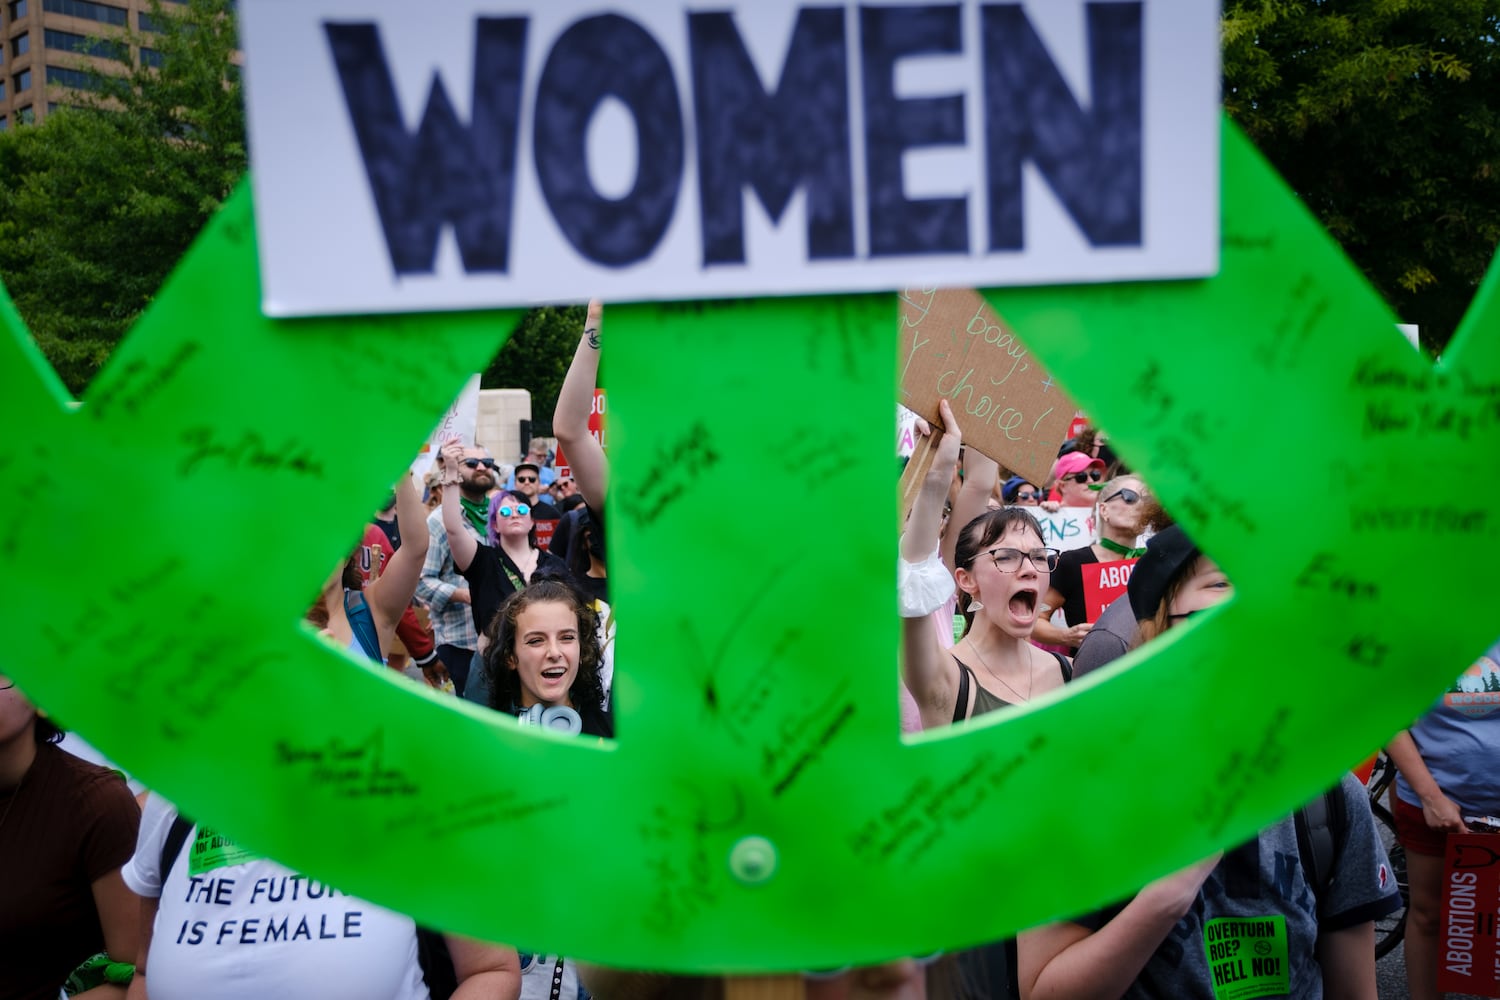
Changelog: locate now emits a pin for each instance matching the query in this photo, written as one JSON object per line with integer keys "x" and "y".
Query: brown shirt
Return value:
{"x": 68, "y": 823}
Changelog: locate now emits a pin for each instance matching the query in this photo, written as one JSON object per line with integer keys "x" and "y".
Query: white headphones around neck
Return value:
{"x": 558, "y": 717}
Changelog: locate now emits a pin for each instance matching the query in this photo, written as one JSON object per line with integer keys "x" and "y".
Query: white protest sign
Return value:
{"x": 1065, "y": 528}
{"x": 906, "y": 432}
{"x": 469, "y": 154}
{"x": 459, "y": 421}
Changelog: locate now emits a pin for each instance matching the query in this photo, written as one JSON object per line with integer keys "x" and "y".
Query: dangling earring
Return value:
{"x": 976, "y": 605}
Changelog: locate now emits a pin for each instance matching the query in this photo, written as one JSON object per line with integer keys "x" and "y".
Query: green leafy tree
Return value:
{"x": 98, "y": 203}
{"x": 1381, "y": 114}
{"x": 536, "y": 358}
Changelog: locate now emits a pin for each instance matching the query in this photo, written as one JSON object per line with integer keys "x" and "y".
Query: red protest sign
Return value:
{"x": 1102, "y": 583}
{"x": 1468, "y": 948}
{"x": 596, "y": 418}
{"x": 544, "y": 529}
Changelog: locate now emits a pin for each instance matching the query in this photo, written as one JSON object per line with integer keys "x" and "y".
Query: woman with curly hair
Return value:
{"x": 544, "y": 652}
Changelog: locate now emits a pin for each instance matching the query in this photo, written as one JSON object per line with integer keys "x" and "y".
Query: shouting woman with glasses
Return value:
{"x": 1002, "y": 569}
{"x": 507, "y": 559}
{"x": 1120, "y": 515}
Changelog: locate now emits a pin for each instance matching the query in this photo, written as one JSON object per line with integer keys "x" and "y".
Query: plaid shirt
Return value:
{"x": 452, "y": 621}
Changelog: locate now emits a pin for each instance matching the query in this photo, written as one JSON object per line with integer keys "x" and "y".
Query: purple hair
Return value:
{"x": 491, "y": 535}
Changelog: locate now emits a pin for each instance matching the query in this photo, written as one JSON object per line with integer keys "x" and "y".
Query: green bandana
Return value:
{"x": 1123, "y": 550}
{"x": 477, "y": 513}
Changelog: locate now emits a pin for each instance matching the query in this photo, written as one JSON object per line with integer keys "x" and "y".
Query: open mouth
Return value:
{"x": 555, "y": 673}
{"x": 1023, "y": 603}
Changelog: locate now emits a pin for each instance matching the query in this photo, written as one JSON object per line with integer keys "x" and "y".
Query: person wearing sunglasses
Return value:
{"x": 442, "y": 588}
{"x": 1156, "y": 944}
{"x": 1119, "y": 517}
{"x": 528, "y": 482}
{"x": 503, "y": 562}
{"x": 1077, "y": 478}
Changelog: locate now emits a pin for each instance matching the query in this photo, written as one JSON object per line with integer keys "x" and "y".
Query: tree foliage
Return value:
{"x": 1378, "y": 112}
{"x": 98, "y": 203}
{"x": 536, "y": 358}
{"x": 1381, "y": 115}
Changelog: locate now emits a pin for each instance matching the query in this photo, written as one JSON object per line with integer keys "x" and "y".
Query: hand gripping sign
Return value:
{"x": 759, "y": 810}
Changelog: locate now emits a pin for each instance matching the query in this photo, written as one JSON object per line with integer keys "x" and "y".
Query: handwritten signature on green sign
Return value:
{"x": 759, "y": 810}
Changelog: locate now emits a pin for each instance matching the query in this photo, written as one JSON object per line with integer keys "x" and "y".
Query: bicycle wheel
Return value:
{"x": 1390, "y": 929}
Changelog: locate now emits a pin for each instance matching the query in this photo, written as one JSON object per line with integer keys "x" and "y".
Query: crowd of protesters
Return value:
{"x": 459, "y": 589}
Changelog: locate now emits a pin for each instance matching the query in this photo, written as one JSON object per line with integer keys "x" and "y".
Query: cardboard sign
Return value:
{"x": 1102, "y": 583}
{"x": 1468, "y": 944}
{"x": 459, "y": 155}
{"x": 954, "y": 346}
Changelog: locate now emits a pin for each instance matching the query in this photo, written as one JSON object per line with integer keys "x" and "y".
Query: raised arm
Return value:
{"x": 575, "y": 401}
{"x": 390, "y": 593}
{"x": 460, "y": 542}
{"x": 981, "y": 477}
{"x": 930, "y": 673}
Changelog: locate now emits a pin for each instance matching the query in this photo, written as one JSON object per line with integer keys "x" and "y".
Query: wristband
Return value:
{"x": 922, "y": 588}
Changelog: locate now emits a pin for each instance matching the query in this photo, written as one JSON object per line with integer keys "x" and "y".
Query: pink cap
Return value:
{"x": 1074, "y": 461}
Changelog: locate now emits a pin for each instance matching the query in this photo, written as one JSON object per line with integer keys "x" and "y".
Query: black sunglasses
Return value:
{"x": 1083, "y": 477}
{"x": 474, "y": 463}
{"x": 1128, "y": 495}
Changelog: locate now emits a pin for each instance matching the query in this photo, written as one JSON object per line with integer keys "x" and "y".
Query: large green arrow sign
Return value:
{"x": 759, "y": 810}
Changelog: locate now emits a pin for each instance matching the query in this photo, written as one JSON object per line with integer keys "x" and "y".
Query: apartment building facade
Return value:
{"x": 48, "y": 46}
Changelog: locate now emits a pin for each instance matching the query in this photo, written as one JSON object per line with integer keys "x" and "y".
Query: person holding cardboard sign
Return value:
{"x": 1002, "y": 570}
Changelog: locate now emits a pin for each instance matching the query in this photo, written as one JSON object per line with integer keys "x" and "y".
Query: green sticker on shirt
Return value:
{"x": 212, "y": 850}
{"x": 1247, "y": 957}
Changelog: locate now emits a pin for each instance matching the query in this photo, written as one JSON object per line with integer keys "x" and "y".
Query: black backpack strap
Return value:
{"x": 1322, "y": 826}
{"x": 1066, "y": 666}
{"x": 172, "y": 846}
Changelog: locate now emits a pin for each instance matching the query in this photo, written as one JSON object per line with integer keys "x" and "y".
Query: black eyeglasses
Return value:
{"x": 1092, "y": 475}
{"x": 1185, "y": 614}
{"x": 1009, "y": 560}
{"x": 474, "y": 463}
{"x": 1128, "y": 495}
{"x": 1023, "y": 496}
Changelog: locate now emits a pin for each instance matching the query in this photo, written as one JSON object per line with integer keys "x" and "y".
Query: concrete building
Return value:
{"x": 49, "y": 44}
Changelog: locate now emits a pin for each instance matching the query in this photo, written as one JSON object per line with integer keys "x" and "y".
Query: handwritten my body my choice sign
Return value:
{"x": 416, "y": 157}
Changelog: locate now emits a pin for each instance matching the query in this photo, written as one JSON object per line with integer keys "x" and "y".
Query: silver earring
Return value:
{"x": 976, "y": 605}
